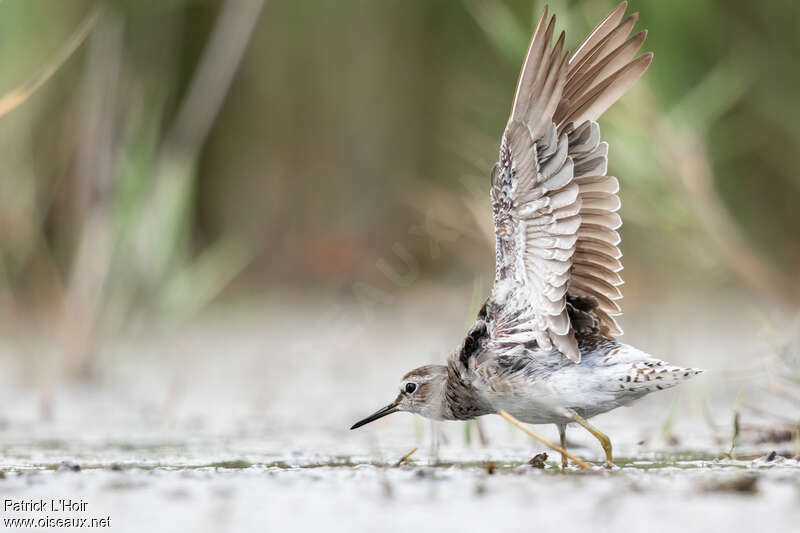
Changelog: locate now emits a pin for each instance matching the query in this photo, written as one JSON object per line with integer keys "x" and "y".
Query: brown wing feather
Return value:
{"x": 535, "y": 206}
{"x": 599, "y": 32}
{"x": 554, "y": 207}
{"x": 601, "y": 71}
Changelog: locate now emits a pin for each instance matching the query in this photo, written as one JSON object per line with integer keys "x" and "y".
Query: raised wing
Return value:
{"x": 554, "y": 208}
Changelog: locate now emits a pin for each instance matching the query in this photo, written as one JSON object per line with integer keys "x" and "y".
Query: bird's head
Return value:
{"x": 421, "y": 392}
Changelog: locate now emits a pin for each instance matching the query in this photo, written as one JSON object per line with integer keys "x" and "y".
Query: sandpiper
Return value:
{"x": 543, "y": 347}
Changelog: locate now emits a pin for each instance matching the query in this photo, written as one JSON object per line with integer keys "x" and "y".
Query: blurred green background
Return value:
{"x": 163, "y": 157}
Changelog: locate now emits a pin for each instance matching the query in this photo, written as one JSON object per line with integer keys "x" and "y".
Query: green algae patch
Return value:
{"x": 236, "y": 464}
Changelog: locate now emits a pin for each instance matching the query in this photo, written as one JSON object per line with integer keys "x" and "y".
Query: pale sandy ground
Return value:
{"x": 223, "y": 425}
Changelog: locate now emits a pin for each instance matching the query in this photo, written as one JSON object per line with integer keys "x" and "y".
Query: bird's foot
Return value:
{"x": 602, "y": 437}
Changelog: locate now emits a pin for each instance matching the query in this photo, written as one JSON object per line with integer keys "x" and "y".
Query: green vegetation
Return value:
{"x": 136, "y": 186}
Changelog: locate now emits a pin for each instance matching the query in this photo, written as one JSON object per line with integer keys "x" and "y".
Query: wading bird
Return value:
{"x": 543, "y": 347}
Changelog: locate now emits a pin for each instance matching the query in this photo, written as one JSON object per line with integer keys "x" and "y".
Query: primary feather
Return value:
{"x": 554, "y": 208}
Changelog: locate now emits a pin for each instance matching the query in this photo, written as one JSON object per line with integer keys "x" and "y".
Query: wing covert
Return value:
{"x": 553, "y": 206}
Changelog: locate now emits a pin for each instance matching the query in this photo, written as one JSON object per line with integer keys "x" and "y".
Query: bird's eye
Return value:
{"x": 411, "y": 387}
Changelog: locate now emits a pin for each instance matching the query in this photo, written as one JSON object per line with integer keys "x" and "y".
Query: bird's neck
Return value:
{"x": 460, "y": 399}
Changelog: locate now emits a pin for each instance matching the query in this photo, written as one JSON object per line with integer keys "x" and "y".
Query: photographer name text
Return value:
{"x": 37, "y": 506}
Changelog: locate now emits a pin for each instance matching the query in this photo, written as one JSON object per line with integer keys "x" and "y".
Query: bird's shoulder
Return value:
{"x": 479, "y": 355}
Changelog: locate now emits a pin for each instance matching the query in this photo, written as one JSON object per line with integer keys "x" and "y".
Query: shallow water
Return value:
{"x": 241, "y": 424}
{"x": 212, "y": 484}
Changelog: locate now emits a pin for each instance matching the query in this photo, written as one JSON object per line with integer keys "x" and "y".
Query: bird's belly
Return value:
{"x": 544, "y": 405}
{"x": 531, "y": 412}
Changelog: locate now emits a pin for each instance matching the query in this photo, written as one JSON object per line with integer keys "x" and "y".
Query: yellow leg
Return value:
{"x": 562, "y": 433}
{"x": 544, "y": 441}
{"x": 599, "y": 435}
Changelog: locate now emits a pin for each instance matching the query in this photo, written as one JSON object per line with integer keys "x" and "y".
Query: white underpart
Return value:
{"x": 599, "y": 384}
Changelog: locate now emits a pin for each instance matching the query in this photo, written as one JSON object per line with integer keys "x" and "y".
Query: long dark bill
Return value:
{"x": 389, "y": 409}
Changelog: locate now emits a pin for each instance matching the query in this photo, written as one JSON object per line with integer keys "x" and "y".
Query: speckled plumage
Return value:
{"x": 542, "y": 349}
{"x": 542, "y": 386}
